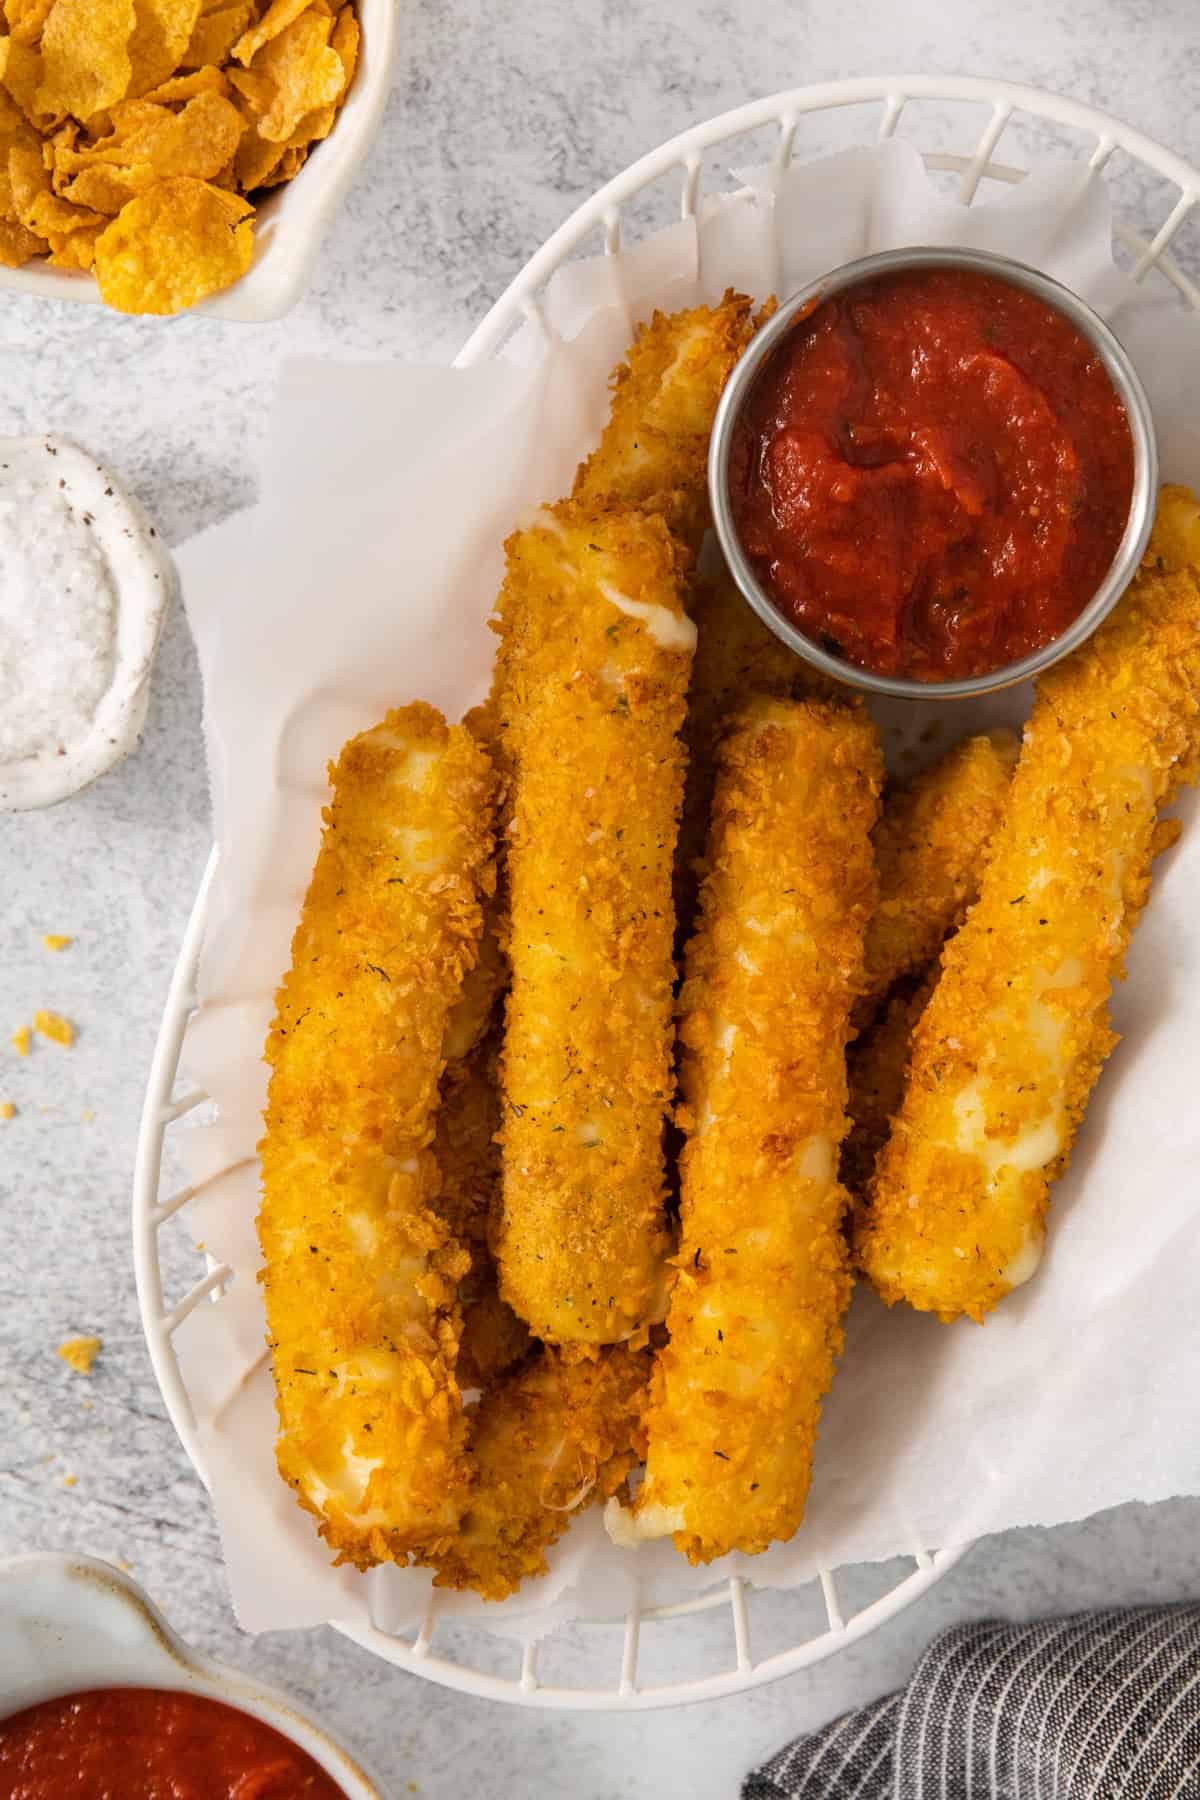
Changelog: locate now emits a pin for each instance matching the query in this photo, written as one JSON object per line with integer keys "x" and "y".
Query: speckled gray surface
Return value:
{"x": 504, "y": 115}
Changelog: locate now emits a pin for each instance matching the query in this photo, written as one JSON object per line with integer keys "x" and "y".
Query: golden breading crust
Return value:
{"x": 1175, "y": 539}
{"x": 931, "y": 845}
{"x": 653, "y": 454}
{"x": 1013, "y": 1039}
{"x": 477, "y": 1007}
{"x": 737, "y": 658}
{"x": 468, "y": 1159}
{"x": 877, "y": 1063}
{"x": 876, "y": 1068}
{"x": 595, "y": 657}
{"x": 361, "y": 1273}
{"x": 654, "y": 451}
{"x": 763, "y": 1273}
{"x": 553, "y": 1437}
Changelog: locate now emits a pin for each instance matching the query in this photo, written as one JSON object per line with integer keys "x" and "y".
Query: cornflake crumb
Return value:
{"x": 81, "y": 1353}
{"x": 54, "y": 940}
{"x": 20, "y": 1040}
{"x": 88, "y": 1115}
{"x": 69, "y": 1480}
{"x": 55, "y": 1027}
{"x": 7, "y": 1110}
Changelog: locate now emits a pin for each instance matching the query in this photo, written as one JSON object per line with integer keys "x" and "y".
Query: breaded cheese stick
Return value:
{"x": 553, "y": 1437}
{"x": 468, "y": 1159}
{"x": 737, "y": 657}
{"x": 360, "y": 1272}
{"x": 595, "y": 656}
{"x": 1175, "y": 539}
{"x": 468, "y": 1155}
{"x": 763, "y": 1276}
{"x": 877, "y": 1063}
{"x": 1014, "y": 1037}
{"x": 876, "y": 1068}
{"x": 477, "y": 1007}
{"x": 654, "y": 451}
{"x": 931, "y": 844}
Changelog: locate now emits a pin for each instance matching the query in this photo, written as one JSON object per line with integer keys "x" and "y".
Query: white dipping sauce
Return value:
{"x": 84, "y": 584}
{"x": 58, "y": 616}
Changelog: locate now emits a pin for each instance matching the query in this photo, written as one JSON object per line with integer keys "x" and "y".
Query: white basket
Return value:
{"x": 617, "y": 1686}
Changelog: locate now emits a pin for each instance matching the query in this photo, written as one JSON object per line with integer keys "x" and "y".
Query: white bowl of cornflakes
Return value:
{"x": 163, "y": 156}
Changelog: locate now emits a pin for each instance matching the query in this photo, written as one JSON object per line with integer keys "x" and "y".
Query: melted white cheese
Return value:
{"x": 1025, "y": 1262}
{"x": 1030, "y": 1149}
{"x": 723, "y": 1037}
{"x": 415, "y": 769}
{"x": 815, "y": 1162}
{"x": 670, "y": 631}
{"x": 363, "y": 1233}
{"x": 347, "y": 1488}
{"x": 629, "y": 1530}
{"x": 540, "y": 518}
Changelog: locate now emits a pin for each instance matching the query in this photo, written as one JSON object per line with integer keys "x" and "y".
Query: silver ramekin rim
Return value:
{"x": 1123, "y": 376}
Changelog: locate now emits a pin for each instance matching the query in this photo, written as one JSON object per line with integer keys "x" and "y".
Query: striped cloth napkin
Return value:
{"x": 1102, "y": 1705}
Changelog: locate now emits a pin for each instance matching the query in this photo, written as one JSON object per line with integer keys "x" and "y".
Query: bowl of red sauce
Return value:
{"x": 99, "y": 1700}
{"x": 933, "y": 473}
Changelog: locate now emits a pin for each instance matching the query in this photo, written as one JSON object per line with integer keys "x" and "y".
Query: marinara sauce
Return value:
{"x": 146, "y": 1744}
{"x": 932, "y": 474}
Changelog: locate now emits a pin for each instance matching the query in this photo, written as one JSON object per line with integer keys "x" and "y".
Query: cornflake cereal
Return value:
{"x": 135, "y": 135}
{"x": 80, "y": 1353}
{"x": 53, "y": 1026}
{"x": 171, "y": 246}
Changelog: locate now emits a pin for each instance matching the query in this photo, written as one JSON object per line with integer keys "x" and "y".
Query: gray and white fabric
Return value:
{"x": 1097, "y": 1707}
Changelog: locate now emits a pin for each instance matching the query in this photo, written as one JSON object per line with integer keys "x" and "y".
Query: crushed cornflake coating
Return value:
{"x": 21, "y": 1038}
{"x": 125, "y": 124}
{"x": 54, "y": 940}
{"x": 80, "y": 1353}
{"x": 52, "y": 1025}
{"x": 7, "y": 1110}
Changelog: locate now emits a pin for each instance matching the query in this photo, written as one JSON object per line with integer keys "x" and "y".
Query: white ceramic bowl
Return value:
{"x": 70, "y": 1623}
{"x": 293, "y": 219}
{"x": 143, "y": 578}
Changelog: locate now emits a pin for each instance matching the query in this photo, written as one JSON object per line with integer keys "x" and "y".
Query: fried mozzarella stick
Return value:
{"x": 475, "y": 1011}
{"x": 763, "y": 1270}
{"x": 468, "y": 1159}
{"x": 1175, "y": 540}
{"x": 468, "y": 1156}
{"x": 595, "y": 655}
{"x": 360, "y": 1272}
{"x": 737, "y": 658}
{"x": 876, "y": 1068}
{"x": 1013, "y": 1039}
{"x": 654, "y": 451}
{"x": 930, "y": 846}
{"x": 553, "y": 1437}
